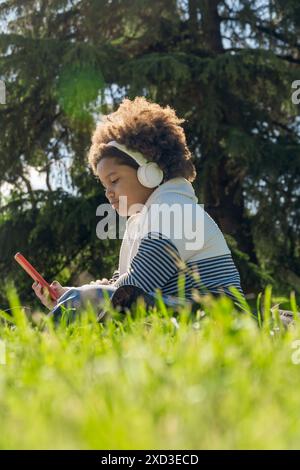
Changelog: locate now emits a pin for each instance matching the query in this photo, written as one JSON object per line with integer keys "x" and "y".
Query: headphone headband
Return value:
{"x": 137, "y": 156}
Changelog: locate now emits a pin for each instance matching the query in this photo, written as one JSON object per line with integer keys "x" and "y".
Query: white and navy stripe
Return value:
{"x": 115, "y": 276}
{"x": 158, "y": 265}
{"x": 214, "y": 275}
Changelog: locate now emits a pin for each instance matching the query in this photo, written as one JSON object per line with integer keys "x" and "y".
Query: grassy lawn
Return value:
{"x": 213, "y": 379}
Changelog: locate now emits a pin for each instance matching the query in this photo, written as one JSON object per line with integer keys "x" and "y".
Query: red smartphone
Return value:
{"x": 35, "y": 275}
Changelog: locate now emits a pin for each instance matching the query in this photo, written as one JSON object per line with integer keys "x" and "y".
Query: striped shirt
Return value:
{"x": 158, "y": 265}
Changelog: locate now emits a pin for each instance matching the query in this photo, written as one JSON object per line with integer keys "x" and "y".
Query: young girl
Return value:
{"x": 140, "y": 156}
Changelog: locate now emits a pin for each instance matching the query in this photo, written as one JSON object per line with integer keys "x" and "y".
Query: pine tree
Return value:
{"x": 227, "y": 67}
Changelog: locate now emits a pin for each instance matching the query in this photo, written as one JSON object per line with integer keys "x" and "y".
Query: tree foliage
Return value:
{"x": 226, "y": 66}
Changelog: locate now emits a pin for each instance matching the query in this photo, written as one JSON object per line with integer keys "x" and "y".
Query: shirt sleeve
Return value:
{"x": 157, "y": 259}
{"x": 114, "y": 277}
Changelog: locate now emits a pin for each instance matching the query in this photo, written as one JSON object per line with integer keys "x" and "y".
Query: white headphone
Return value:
{"x": 149, "y": 174}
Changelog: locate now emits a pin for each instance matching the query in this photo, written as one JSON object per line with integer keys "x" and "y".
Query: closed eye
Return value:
{"x": 112, "y": 182}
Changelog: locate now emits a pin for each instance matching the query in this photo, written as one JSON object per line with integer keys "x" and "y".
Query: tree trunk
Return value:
{"x": 211, "y": 25}
{"x": 193, "y": 19}
{"x": 224, "y": 201}
{"x": 222, "y": 185}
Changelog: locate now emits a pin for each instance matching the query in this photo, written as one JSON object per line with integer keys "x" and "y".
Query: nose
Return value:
{"x": 108, "y": 193}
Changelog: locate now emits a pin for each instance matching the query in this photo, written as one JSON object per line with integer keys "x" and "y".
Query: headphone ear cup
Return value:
{"x": 150, "y": 175}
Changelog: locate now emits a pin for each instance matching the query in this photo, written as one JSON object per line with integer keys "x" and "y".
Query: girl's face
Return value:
{"x": 121, "y": 180}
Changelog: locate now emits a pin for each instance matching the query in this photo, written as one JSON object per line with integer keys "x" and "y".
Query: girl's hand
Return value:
{"x": 44, "y": 295}
{"x": 101, "y": 281}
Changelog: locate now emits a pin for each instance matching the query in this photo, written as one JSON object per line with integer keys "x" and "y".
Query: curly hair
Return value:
{"x": 147, "y": 127}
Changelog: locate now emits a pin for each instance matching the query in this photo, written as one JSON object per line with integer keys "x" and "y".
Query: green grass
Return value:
{"x": 214, "y": 379}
